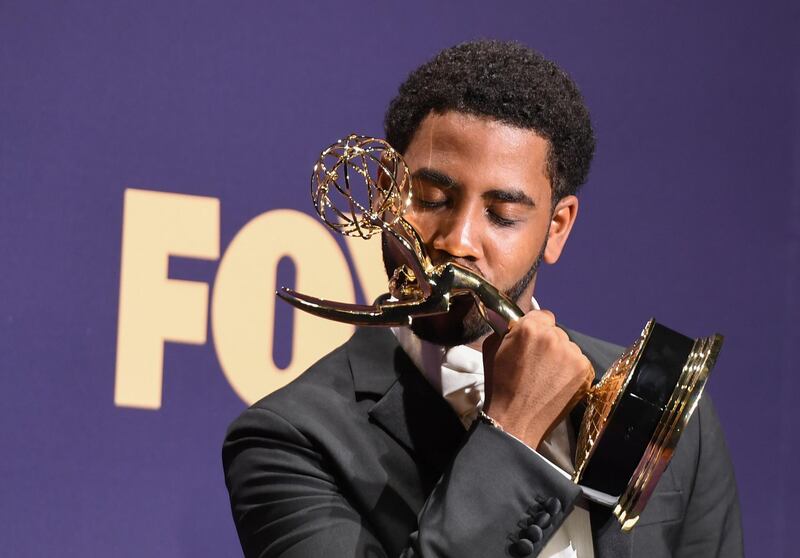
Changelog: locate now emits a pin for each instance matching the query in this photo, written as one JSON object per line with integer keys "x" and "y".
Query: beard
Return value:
{"x": 462, "y": 323}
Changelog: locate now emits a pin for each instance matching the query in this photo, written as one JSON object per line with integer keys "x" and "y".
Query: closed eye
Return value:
{"x": 499, "y": 220}
{"x": 429, "y": 204}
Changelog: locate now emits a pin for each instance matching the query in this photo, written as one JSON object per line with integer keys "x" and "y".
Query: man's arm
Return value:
{"x": 496, "y": 497}
{"x": 712, "y": 524}
{"x": 287, "y": 502}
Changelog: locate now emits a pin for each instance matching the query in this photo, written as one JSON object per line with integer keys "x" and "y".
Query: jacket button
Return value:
{"x": 542, "y": 519}
{"x": 553, "y": 505}
{"x": 533, "y": 533}
{"x": 523, "y": 547}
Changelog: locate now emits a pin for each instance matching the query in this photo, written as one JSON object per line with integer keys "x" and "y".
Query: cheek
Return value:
{"x": 511, "y": 255}
{"x": 424, "y": 225}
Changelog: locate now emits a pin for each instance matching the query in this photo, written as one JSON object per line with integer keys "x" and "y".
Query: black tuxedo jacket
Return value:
{"x": 361, "y": 457}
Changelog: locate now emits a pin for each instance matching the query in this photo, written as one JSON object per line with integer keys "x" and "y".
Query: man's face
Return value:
{"x": 482, "y": 198}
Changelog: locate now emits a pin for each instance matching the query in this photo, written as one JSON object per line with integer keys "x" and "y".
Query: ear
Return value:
{"x": 564, "y": 215}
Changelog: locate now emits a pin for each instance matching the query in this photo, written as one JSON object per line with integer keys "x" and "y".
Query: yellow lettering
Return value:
{"x": 243, "y": 302}
{"x": 153, "y": 308}
{"x": 367, "y": 261}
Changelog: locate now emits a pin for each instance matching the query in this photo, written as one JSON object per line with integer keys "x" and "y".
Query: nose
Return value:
{"x": 458, "y": 234}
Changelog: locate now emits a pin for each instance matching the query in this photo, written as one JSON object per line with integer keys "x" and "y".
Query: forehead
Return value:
{"x": 480, "y": 152}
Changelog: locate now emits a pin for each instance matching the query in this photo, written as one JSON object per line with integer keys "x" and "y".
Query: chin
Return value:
{"x": 461, "y": 325}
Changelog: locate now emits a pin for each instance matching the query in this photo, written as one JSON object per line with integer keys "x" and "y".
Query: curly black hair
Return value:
{"x": 508, "y": 82}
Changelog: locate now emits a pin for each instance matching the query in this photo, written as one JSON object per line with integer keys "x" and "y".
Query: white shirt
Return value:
{"x": 457, "y": 374}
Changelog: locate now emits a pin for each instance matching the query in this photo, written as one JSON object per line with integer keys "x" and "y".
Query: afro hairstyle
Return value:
{"x": 507, "y": 82}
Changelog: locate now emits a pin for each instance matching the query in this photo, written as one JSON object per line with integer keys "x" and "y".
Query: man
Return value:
{"x": 380, "y": 449}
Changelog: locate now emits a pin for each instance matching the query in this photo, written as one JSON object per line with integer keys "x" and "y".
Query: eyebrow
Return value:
{"x": 513, "y": 195}
{"x": 510, "y": 195}
{"x": 437, "y": 177}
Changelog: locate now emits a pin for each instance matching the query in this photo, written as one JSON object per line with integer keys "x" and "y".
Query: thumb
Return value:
{"x": 490, "y": 346}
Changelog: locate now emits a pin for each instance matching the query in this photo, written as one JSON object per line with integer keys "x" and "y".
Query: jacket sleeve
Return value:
{"x": 712, "y": 523}
{"x": 286, "y": 501}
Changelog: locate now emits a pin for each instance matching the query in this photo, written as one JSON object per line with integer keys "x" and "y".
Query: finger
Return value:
{"x": 590, "y": 376}
{"x": 562, "y": 335}
{"x": 535, "y": 320}
{"x": 490, "y": 346}
{"x": 576, "y": 350}
{"x": 541, "y": 318}
{"x": 545, "y": 315}
{"x": 576, "y": 398}
{"x": 583, "y": 389}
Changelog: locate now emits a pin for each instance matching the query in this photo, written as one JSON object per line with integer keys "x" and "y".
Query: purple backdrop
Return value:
{"x": 691, "y": 214}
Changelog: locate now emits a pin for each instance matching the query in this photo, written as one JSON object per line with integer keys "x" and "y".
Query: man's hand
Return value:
{"x": 534, "y": 376}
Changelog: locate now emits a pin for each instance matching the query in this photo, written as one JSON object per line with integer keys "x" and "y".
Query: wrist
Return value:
{"x": 530, "y": 434}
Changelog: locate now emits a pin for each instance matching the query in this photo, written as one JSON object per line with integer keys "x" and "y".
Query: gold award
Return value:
{"x": 634, "y": 415}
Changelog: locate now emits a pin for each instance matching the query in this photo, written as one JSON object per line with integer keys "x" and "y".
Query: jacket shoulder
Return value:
{"x": 601, "y": 353}
{"x": 329, "y": 377}
{"x": 327, "y": 382}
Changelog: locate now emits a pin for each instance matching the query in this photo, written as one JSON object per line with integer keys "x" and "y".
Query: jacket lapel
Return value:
{"x": 406, "y": 406}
